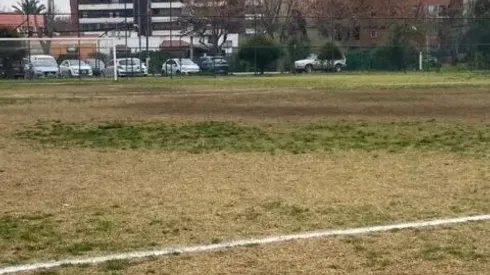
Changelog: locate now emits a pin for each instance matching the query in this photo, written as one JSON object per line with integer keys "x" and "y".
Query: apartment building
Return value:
{"x": 98, "y": 16}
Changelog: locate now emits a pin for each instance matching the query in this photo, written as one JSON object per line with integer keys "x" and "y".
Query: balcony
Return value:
{"x": 164, "y": 18}
{"x": 106, "y": 20}
{"x": 105, "y": 7}
{"x": 166, "y": 5}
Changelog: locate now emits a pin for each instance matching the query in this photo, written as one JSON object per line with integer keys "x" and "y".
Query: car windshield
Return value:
{"x": 95, "y": 63}
{"x": 312, "y": 56}
{"x": 76, "y": 63}
{"x": 129, "y": 61}
{"x": 186, "y": 62}
{"x": 44, "y": 63}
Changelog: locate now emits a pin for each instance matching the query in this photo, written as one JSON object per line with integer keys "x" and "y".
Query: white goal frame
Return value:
{"x": 27, "y": 39}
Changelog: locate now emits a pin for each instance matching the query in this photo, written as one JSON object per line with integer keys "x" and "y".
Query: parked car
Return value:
{"x": 213, "y": 64}
{"x": 126, "y": 67}
{"x": 12, "y": 69}
{"x": 312, "y": 63}
{"x": 97, "y": 66}
{"x": 40, "y": 66}
{"x": 179, "y": 66}
{"x": 75, "y": 67}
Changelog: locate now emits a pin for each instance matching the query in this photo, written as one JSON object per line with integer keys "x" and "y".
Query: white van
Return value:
{"x": 42, "y": 66}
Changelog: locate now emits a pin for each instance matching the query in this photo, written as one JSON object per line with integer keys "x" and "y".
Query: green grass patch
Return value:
{"x": 32, "y": 228}
{"x": 116, "y": 265}
{"x": 392, "y": 80}
{"x": 296, "y": 138}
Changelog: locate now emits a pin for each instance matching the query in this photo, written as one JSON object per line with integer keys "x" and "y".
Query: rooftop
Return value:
{"x": 14, "y": 19}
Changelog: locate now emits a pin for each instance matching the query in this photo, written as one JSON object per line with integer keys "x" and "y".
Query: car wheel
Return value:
{"x": 338, "y": 68}
{"x": 308, "y": 68}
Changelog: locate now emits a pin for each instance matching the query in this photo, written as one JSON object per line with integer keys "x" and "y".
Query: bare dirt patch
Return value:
{"x": 434, "y": 103}
{"x": 101, "y": 103}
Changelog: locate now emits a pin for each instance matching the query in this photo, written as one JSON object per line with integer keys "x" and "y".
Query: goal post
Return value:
{"x": 73, "y": 57}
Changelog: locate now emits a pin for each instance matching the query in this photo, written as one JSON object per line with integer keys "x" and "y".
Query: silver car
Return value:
{"x": 179, "y": 66}
{"x": 41, "y": 67}
{"x": 313, "y": 63}
{"x": 125, "y": 67}
{"x": 75, "y": 67}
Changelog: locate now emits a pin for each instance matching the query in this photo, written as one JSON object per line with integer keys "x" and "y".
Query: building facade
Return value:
{"x": 24, "y": 24}
{"x": 150, "y": 17}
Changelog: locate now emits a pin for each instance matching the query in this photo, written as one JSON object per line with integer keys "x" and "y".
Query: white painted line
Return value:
{"x": 239, "y": 243}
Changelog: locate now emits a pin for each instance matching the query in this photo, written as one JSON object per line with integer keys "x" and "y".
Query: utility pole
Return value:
{"x": 148, "y": 31}
{"x": 139, "y": 27}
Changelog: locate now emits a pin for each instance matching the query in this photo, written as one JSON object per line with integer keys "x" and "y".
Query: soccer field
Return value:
{"x": 96, "y": 167}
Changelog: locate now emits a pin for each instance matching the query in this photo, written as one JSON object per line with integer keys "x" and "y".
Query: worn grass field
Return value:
{"x": 461, "y": 250}
{"x": 92, "y": 167}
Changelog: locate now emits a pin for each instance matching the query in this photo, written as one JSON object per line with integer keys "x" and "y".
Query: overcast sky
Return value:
{"x": 60, "y": 5}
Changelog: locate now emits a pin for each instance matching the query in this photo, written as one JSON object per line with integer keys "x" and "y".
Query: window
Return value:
{"x": 373, "y": 34}
{"x": 84, "y": 14}
{"x": 228, "y": 44}
{"x": 357, "y": 32}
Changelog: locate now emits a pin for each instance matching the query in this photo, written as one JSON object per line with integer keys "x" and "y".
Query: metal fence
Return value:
{"x": 305, "y": 45}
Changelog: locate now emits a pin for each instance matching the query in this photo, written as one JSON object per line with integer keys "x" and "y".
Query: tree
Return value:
{"x": 32, "y": 7}
{"x": 281, "y": 17}
{"x": 342, "y": 20}
{"x": 330, "y": 51}
{"x": 297, "y": 48}
{"x": 212, "y": 18}
{"x": 10, "y": 51}
{"x": 35, "y": 8}
{"x": 399, "y": 51}
{"x": 477, "y": 37}
{"x": 260, "y": 51}
{"x": 481, "y": 9}
{"x": 270, "y": 11}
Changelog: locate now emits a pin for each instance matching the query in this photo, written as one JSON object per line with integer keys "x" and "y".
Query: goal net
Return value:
{"x": 58, "y": 57}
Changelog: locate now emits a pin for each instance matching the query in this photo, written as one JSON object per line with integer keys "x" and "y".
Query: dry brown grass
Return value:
{"x": 81, "y": 201}
{"x": 118, "y": 200}
{"x": 463, "y": 249}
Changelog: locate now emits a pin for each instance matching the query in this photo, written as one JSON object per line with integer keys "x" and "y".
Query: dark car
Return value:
{"x": 12, "y": 69}
{"x": 213, "y": 64}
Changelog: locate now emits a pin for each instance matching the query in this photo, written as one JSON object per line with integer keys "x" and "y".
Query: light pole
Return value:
{"x": 148, "y": 31}
{"x": 139, "y": 27}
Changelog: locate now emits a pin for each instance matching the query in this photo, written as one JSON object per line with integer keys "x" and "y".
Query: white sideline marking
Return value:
{"x": 238, "y": 243}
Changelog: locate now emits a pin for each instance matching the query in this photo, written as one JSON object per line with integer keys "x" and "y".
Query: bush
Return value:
{"x": 11, "y": 52}
{"x": 330, "y": 51}
{"x": 397, "y": 53}
{"x": 260, "y": 51}
{"x": 156, "y": 60}
{"x": 297, "y": 49}
{"x": 238, "y": 65}
{"x": 358, "y": 59}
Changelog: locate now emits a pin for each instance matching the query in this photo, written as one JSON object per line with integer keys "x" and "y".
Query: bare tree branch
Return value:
{"x": 212, "y": 18}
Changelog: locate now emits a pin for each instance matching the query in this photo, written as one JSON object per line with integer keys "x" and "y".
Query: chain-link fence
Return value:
{"x": 97, "y": 41}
